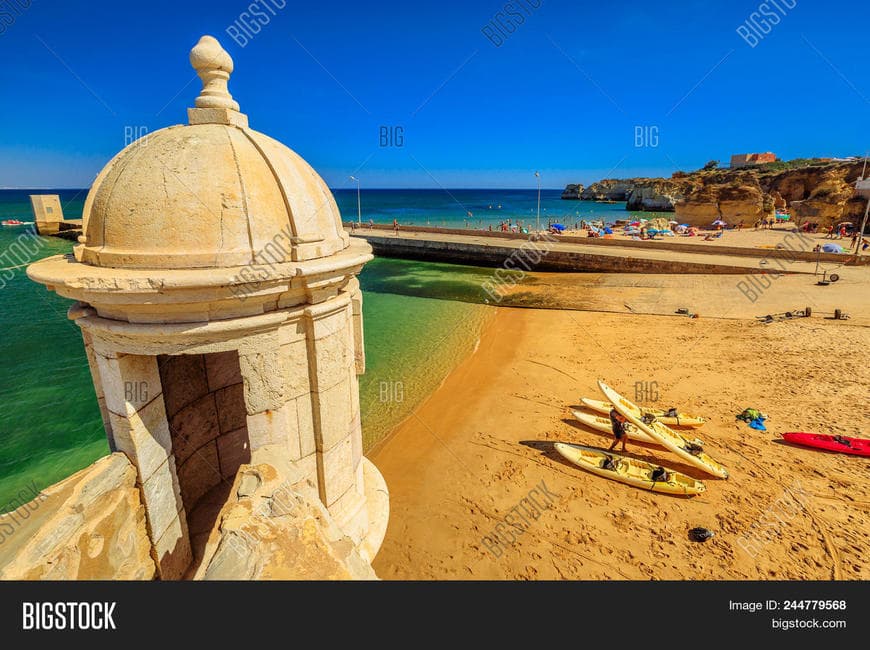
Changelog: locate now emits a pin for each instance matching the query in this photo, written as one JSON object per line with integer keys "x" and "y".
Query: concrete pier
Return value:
{"x": 49, "y": 220}
{"x": 557, "y": 253}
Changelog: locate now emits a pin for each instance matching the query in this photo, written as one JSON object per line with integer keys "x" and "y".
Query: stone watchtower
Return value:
{"x": 222, "y": 319}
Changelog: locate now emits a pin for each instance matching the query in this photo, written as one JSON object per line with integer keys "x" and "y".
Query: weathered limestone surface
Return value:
{"x": 274, "y": 527}
{"x": 830, "y": 202}
{"x": 90, "y": 526}
{"x": 222, "y": 319}
{"x": 206, "y": 412}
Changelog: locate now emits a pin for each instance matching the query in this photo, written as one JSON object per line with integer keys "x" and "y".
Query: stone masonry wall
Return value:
{"x": 205, "y": 406}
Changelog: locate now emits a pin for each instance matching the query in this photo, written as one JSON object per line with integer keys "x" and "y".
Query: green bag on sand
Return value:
{"x": 751, "y": 414}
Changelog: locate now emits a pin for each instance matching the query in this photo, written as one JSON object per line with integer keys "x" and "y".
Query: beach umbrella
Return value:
{"x": 608, "y": 231}
{"x": 832, "y": 248}
{"x": 634, "y": 223}
{"x": 558, "y": 226}
{"x": 719, "y": 222}
{"x": 672, "y": 221}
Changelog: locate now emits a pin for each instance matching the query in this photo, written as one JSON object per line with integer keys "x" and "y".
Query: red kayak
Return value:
{"x": 842, "y": 444}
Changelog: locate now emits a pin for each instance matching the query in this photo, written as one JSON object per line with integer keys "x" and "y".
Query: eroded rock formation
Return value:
{"x": 833, "y": 200}
{"x": 90, "y": 526}
{"x": 817, "y": 190}
{"x": 274, "y": 527}
{"x": 740, "y": 200}
{"x": 657, "y": 194}
{"x": 651, "y": 194}
{"x": 609, "y": 189}
{"x": 572, "y": 192}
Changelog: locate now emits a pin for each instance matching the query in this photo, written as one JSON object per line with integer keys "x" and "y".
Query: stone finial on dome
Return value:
{"x": 215, "y": 104}
{"x": 214, "y": 66}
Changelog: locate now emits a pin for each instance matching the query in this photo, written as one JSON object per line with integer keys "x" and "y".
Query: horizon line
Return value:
{"x": 349, "y": 189}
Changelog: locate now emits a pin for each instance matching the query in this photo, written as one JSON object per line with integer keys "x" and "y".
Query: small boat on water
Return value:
{"x": 12, "y": 222}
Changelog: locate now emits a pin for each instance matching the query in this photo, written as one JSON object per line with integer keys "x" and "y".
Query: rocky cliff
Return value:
{"x": 92, "y": 526}
{"x": 831, "y": 201}
{"x": 572, "y": 192}
{"x": 274, "y": 527}
{"x": 731, "y": 199}
{"x": 657, "y": 194}
{"x": 817, "y": 190}
{"x": 610, "y": 189}
{"x": 653, "y": 194}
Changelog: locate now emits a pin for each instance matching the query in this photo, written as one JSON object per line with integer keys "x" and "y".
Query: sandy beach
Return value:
{"x": 476, "y": 448}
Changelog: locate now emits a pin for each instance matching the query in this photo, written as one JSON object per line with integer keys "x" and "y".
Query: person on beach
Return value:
{"x": 396, "y": 226}
{"x": 617, "y": 425}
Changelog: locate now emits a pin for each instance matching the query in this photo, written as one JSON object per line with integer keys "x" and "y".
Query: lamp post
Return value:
{"x": 358, "y": 204}
{"x": 538, "y": 176}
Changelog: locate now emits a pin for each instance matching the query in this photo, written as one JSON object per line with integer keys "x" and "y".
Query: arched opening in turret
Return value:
{"x": 205, "y": 408}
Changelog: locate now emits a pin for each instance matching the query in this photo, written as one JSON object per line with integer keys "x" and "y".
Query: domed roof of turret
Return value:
{"x": 212, "y": 193}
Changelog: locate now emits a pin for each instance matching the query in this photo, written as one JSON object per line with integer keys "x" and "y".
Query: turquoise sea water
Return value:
{"x": 420, "y": 320}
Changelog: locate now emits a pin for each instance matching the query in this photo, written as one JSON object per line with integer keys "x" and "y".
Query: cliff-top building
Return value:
{"x": 221, "y": 316}
{"x": 748, "y": 159}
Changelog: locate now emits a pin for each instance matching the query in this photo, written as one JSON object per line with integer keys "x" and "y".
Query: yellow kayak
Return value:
{"x": 600, "y": 423}
{"x": 669, "y": 438}
{"x": 678, "y": 420}
{"x": 630, "y": 471}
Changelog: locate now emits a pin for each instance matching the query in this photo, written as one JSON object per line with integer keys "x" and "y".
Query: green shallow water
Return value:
{"x": 413, "y": 341}
{"x": 420, "y": 320}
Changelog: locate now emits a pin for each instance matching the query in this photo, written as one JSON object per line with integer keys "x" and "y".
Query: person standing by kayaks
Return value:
{"x": 617, "y": 425}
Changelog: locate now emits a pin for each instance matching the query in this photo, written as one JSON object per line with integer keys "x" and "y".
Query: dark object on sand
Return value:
{"x": 700, "y": 534}
{"x": 827, "y": 279}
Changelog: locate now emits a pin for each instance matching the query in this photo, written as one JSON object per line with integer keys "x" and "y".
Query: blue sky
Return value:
{"x": 566, "y": 92}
